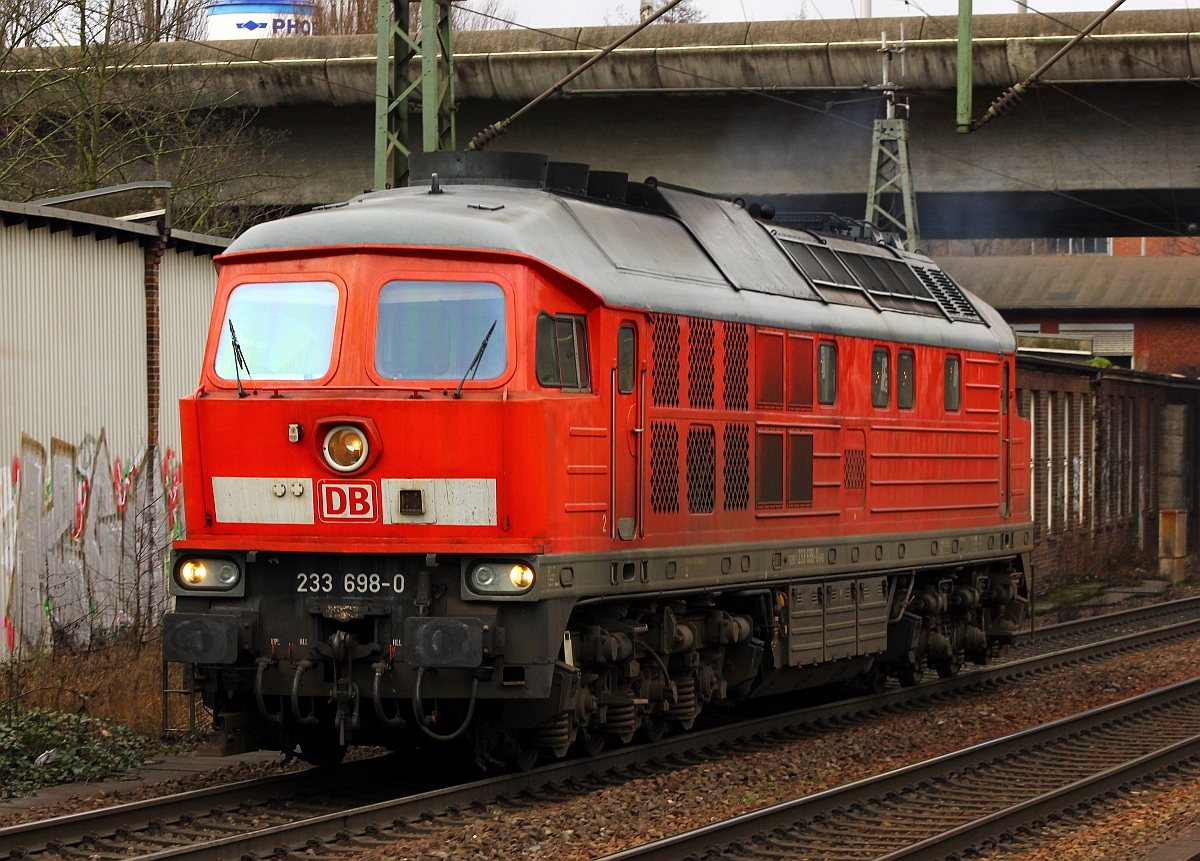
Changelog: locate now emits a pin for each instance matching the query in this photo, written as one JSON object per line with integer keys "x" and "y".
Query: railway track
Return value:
{"x": 310, "y": 808}
{"x": 976, "y": 798}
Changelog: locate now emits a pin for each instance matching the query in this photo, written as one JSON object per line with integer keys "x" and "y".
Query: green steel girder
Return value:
{"x": 395, "y": 93}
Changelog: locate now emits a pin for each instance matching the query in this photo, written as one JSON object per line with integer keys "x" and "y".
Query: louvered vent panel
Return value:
{"x": 737, "y": 467}
{"x": 948, "y": 294}
{"x": 665, "y": 373}
{"x": 702, "y": 469}
{"x": 700, "y": 364}
{"x": 737, "y": 358}
{"x": 664, "y": 467}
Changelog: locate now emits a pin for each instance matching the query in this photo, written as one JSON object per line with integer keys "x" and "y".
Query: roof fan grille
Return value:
{"x": 948, "y": 294}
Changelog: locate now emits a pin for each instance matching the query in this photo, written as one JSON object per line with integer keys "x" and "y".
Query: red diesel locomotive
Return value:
{"x": 536, "y": 456}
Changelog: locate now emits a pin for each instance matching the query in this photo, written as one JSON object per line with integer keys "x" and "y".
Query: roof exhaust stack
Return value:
{"x": 512, "y": 169}
{"x": 611, "y": 186}
{"x": 569, "y": 177}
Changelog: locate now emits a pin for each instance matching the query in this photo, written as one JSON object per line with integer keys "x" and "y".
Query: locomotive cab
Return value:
{"x": 508, "y": 463}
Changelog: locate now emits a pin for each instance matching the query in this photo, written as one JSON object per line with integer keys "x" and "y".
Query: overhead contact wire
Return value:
{"x": 1087, "y": 204}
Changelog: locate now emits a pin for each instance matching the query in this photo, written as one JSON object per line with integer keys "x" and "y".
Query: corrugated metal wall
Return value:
{"x": 187, "y": 285}
{"x": 72, "y": 339}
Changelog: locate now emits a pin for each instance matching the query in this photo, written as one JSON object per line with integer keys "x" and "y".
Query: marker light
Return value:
{"x": 500, "y": 578}
{"x": 209, "y": 574}
{"x": 345, "y": 448}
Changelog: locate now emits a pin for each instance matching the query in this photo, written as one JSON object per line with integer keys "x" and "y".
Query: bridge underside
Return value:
{"x": 1074, "y": 160}
{"x": 1020, "y": 214}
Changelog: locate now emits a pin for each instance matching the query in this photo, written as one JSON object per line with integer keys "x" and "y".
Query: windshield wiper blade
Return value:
{"x": 474, "y": 366}
{"x": 239, "y": 361}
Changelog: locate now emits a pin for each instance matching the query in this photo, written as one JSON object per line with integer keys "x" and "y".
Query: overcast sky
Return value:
{"x": 568, "y": 13}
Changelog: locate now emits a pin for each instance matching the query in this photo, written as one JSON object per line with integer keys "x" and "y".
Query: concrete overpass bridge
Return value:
{"x": 1110, "y": 145}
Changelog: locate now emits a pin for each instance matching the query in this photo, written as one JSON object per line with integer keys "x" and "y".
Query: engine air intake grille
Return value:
{"x": 665, "y": 373}
{"x": 737, "y": 358}
{"x": 664, "y": 467}
{"x": 856, "y": 469}
{"x": 948, "y": 294}
{"x": 737, "y": 467}
{"x": 702, "y": 469}
{"x": 700, "y": 364}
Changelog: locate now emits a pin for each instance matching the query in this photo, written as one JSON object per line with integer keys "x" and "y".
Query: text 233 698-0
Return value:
{"x": 349, "y": 584}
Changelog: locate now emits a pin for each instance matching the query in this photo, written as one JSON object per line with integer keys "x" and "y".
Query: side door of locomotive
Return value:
{"x": 628, "y": 438}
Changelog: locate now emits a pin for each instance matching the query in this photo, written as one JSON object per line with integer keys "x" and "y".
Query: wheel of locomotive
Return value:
{"x": 590, "y": 743}
{"x": 522, "y": 752}
{"x": 654, "y": 727}
{"x": 949, "y": 668}
{"x": 910, "y": 674}
{"x": 874, "y": 680}
{"x": 322, "y": 750}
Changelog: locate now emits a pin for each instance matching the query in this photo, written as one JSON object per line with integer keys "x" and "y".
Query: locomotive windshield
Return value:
{"x": 432, "y": 330}
{"x": 285, "y": 330}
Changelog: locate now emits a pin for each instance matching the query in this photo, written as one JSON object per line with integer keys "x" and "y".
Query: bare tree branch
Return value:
{"x": 76, "y": 114}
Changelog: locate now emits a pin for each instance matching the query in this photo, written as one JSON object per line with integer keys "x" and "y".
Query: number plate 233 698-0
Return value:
{"x": 349, "y": 584}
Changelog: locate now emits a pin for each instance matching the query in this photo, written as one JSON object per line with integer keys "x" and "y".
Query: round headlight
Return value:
{"x": 193, "y": 573}
{"x": 227, "y": 573}
{"x": 484, "y": 578}
{"x": 521, "y": 576}
{"x": 345, "y": 448}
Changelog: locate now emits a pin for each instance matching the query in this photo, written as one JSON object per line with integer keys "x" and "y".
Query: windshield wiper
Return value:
{"x": 474, "y": 366}
{"x": 239, "y": 361}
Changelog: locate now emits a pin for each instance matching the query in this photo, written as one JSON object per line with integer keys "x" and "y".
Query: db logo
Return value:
{"x": 346, "y": 500}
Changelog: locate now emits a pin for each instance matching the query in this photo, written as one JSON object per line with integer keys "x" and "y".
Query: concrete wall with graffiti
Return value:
{"x": 84, "y": 537}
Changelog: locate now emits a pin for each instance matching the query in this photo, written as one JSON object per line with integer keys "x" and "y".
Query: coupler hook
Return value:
{"x": 302, "y": 667}
{"x": 423, "y": 722}
{"x": 396, "y": 722}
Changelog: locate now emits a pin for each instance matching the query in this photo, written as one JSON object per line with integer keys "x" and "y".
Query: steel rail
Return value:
{"x": 710, "y": 840}
{"x": 72, "y": 827}
{"x": 1115, "y": 618}
{"x": 1013, "y": 818}
{"x": 358, "y": 820}
{"x": 138, "y": 814}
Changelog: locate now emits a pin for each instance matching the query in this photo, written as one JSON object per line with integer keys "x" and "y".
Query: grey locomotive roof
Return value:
{"x": 713, "y": 261}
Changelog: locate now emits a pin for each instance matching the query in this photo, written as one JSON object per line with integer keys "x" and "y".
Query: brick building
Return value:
{"x": 1142, "y": 312}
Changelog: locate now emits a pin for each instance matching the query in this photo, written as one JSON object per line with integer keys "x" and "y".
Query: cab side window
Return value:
{"x": 626, "y": 360}
{"x": 826, "y": 373}
{"x": 880, "y": 379}
{"x": 561, "y": 355}
{"x": 953, "y": 375}
{"x": 906, "y": 386}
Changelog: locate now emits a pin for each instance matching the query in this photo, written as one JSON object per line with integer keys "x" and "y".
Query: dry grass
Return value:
{"x": 121, "y": 682}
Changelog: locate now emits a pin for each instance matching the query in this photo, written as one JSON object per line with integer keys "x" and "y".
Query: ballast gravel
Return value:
{"x": 646, "y": 809}
{"x": 1131, "y": 829}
